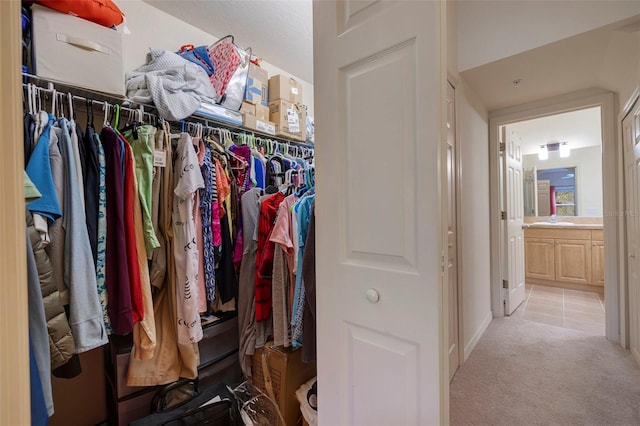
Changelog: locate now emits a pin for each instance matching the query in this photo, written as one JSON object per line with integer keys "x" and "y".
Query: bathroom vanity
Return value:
{"x": 565, "y": 255}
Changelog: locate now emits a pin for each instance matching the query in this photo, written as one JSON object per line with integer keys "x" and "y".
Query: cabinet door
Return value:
{"x": 597, "y": 263}
{"x": 539, "y": 258}
{"x": 573, "y": 261}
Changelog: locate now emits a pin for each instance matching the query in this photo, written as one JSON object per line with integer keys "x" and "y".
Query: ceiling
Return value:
{"x": 579, "y": 128}
{"x": 607, "y": 57}
{"x": 285, "y": 27}
{"x": 490, "y": 30}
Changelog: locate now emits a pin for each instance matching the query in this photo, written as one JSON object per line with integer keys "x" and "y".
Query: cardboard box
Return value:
{"x": 262, "y": 112}
{"x": 248, "y": 108}
{"x": 288, "y": 373}
{"x": 253, "y": 123}
{"x": 76, "y": 51}
{"x": 257, "y": 91}
{"x": 286, "y": 88}
{"x": 290, "y": 119}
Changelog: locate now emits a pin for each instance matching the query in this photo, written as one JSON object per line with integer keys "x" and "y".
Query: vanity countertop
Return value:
{"x": 560, "y": 226}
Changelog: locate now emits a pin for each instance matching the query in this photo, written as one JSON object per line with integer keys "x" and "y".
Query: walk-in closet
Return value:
{"x": 169, "y": 178}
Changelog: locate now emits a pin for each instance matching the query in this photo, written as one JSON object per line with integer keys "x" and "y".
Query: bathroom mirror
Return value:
{"x": 565, "y": 186}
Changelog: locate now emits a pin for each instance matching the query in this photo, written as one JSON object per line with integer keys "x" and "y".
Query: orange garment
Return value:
{"x": 144, "y": 331}
{"x": 224, "y": 186}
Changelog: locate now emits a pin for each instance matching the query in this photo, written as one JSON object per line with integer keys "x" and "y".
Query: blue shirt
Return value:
{"x": 39, "y": 171}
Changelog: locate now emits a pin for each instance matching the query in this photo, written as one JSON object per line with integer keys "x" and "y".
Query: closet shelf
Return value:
{"x": 82, "y": 94}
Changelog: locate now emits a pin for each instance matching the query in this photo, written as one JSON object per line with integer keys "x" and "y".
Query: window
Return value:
{"x": 565, "y": 200}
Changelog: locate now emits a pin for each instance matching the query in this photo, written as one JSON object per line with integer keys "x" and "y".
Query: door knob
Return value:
{"x": 373, "y": 296}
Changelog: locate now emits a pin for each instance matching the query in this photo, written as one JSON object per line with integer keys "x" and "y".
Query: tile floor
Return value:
{"x": 577, "y": 310}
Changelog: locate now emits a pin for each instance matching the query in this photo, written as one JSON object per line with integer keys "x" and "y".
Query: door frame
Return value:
{"x": 613, "y": 186}
{"x": 458, "y": 191}
{"x": 14, "y": 344}
{"x": 622, "y": 260}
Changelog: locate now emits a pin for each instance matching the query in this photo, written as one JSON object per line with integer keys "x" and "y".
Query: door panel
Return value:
{"x": 573, "y": 261}
{"x": 514, "y": 234}
{"x": 379, "y": 105}
{"x": 452, "y": 235}
{"x": 544, "y": 198}
{"x": 540, "y": 257}
{"x": 597, "y": 263}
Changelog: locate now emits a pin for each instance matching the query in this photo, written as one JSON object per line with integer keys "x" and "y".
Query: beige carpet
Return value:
{"x": 526, "y": 373}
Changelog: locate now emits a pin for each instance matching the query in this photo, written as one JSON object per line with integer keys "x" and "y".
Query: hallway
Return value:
{"x": 527, "y": 373}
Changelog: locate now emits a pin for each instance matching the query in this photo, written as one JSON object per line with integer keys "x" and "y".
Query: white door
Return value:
{"x": 452, "y": 233}
{"x": 379, "y": 80}
{"x": 631, "y": 143}
{"x": 513, "y": 232}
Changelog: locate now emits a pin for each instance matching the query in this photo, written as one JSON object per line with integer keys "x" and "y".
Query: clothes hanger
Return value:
{"x": 107, "y": 109}
{"x": 89, "y": 105}
{"x": 53, "y": 102}
{"x": 72, "y": 113}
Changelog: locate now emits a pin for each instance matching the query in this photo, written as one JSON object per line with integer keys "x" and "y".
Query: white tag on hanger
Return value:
{"x": 159, "y": 158}
{"x": 293, "y": 120}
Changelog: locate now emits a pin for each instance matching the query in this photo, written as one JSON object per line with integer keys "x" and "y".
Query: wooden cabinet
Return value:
{"x": 564, "y": 256}
{"x": 573, "y": 261}
{"x": 597, "y": 258}
{"x": 539, "y": 258}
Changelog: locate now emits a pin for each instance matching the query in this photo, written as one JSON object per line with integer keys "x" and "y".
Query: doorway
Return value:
{"x": 561, "y": 260}
{"x": 563, "y": 220}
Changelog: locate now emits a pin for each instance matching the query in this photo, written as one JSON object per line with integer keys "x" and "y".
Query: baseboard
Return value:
{"x": 636, "y": 355}
{"x": 468, "y": 348}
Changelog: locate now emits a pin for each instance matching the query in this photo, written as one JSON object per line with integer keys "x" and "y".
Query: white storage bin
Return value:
{"x": 77, "y": 51}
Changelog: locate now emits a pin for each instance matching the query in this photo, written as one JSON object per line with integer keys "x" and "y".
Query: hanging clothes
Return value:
{"x": 91, "y": 172}
{"x": 264, "y": 257}
{"x": 86, "y": 320}
{"x": 141, "y": 139}
{"x": 38, "y": 329}
{"x": 309, "y": 280}
{"x": 130, "y": 201}
{"x": 162, "y": 178}
{"x": 117, "y": 270}
{"x": 283, "y": 276}
{"x": 101, "y": 228}
{"x": 61, "y": 344}
{"x": 170, "y": 360}
{"x": 207, "y": 196}
{"x": 303, "y": 211}
{"x": 187, "y": 179}
{"x": 246, "y": 283}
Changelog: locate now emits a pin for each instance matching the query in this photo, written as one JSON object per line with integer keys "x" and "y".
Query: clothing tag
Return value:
{"x": 159, "y": 158}
{"x": 293, "y": 120}
{"x": 294, "y": 90}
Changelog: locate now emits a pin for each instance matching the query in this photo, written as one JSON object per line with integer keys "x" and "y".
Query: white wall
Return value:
{"x": 491, "y": 30}
{"x": 151, "y": 27}
{"x": 473, "y": 137}
{"x": 619, "y": 69}
{"x": 473, "y": 130}
{"x": 588, "y": 163}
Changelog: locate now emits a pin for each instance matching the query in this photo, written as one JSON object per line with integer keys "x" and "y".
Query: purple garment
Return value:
{"x": 117, "y": 270}
{"x": 243, "y": 152}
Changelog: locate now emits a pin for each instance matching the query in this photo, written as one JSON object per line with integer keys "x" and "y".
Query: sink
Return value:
{"x": 554, "y": 223}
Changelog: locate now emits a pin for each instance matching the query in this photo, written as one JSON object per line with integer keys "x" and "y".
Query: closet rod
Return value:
{"x": 112, "y": 99}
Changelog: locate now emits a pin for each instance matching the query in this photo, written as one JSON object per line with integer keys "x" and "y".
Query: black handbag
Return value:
{"x": 181, "y": 404}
